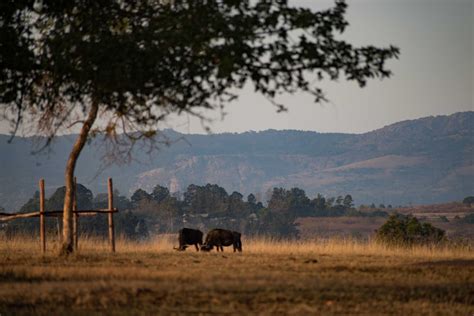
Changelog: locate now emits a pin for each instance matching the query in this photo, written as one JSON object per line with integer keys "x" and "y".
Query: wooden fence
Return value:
{"x": 42, "y": 213}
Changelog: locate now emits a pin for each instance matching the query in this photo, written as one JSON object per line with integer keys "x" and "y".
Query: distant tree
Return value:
{"x": 293, "y": 201}
{"x": 300, "y": 203}
{"x": 132, "y": 63}
{"x": 121, "y": 202}
{"x": 160, "y": 193}
{"x": 251, "y": 199}
{"x": 84, "y": 198}
{"x": 166, "y": 215}
{"x": 211, "y": 199}
{"x": 130, "y": 226}
{"x": 32, "y": 204}
{"x": 138, "y": 196}
{"x": 277, "y": 224}
{"x": 27, "y": 226}
{"x": 236, "y": 206}
{"x": 252, "y": 204}
{"x": 348, "y": 202}
{"x": 407, "y": 230}
{"x": 382, "y": 206}
{"x": 468, "y": 219}
{"x": 145, "y": 206}
{"x": 330, "y": 202}
{"x": 284, "y": 207}
{"x": 469, "y": 200}
{"x": 236, "y": 196}
{"x": 318, "y": 206}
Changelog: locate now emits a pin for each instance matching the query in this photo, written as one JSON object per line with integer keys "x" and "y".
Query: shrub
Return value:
{"x": 469, "y": 200}
{"x": 408, "y": 230}
{"x": 468, "y": 219}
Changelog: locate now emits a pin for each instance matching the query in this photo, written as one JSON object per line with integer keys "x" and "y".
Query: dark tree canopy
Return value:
{"x": 142, "y": 60}
{"x": 404, "y": 230}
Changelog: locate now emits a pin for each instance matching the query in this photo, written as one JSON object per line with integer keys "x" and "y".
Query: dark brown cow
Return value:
{"x": 220, "y": 238}
{"x": 189, "y": 236}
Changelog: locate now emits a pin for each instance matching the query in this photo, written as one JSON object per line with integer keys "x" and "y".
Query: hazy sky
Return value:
{"x": 433, "y": 76}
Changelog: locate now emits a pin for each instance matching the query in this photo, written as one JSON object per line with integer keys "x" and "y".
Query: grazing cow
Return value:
{"x": 222, "y": 237}
{"x": 189, "y": 236}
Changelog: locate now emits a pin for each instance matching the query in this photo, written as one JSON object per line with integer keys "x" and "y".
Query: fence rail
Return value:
{"x": 42, "y": 213}
{"x": 56, "y": 213}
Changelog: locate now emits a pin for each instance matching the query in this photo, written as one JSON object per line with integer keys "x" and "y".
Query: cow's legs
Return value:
{"x": 197, "y": 248}
{"x": 222, "y": 249}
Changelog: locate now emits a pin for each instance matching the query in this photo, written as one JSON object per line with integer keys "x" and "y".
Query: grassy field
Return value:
{"x": 269, "y": 277}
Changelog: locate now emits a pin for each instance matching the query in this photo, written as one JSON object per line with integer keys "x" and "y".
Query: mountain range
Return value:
{"x": 427, "y": 160}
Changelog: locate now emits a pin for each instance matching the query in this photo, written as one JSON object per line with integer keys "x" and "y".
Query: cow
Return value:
{"x": 189, "y": 236}
{"x": 222, "y": 237}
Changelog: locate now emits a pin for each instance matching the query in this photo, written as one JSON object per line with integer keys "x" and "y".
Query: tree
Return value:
{"x": 468, "y": 219}
{"x": 160, "y": 193}
{"x": 348, "y": 202}
{"x": 330, "y": 202}
{"x": 407, "y": 230}
{"x": 84, "y": 198}
{"x": 468, "y": 200}
{"x": 251, "y": 199}
{"x": 236, "y": 205}
{"x": 138, "y": 196}
{"x": 132, "y": 63}
{"x": 101, "y": 200}
{"x": 211, "y": 199}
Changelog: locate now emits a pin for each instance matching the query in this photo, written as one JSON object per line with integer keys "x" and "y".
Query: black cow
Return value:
{"x": 189, "y": 236}
{"x": 222, "y": 237}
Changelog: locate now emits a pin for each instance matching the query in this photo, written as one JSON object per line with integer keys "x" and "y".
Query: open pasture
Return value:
{"x": 269, "y": 277}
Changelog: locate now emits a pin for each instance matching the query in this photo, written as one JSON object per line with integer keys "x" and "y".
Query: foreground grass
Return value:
{"x": 326, "y": 277}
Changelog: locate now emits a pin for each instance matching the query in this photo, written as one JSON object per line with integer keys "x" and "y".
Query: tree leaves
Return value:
{"x": 143, "y": 60}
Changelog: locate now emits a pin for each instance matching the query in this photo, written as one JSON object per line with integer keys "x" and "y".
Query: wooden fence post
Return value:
{"x": 111, "y": 215}
{"x": 75, "y": 216}
{"x": 42, "y": 223}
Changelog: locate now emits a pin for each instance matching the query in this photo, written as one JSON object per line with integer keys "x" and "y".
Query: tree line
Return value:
{"x": 205, "y": 207}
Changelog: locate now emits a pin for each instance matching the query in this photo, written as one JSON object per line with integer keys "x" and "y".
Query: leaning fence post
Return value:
{"x": 42, "y": 224}
{"x": 75, "y": 215}
{"x": 111, "y": 215}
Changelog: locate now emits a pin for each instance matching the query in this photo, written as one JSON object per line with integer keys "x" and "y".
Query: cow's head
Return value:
{"x": 206, "y": 247}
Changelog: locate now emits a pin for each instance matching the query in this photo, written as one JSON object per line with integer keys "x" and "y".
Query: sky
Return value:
{"x": 433, "y": 76}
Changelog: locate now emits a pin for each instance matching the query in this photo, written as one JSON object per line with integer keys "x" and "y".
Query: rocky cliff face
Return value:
{"x": 419, "y": 161}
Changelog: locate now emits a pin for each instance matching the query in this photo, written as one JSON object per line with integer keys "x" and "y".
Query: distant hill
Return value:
{"x": 428, "y": 160}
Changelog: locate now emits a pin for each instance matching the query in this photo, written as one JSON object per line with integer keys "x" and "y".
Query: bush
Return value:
{"x": 468, "y": 219}
{"x": 408, "y": 230}
{"x": 468, "y": 200}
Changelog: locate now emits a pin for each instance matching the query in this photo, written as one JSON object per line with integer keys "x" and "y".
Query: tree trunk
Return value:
{"x": 67, "y": 246}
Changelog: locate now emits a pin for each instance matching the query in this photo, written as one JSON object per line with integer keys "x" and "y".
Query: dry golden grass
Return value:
{"x": 330, "y": 276}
